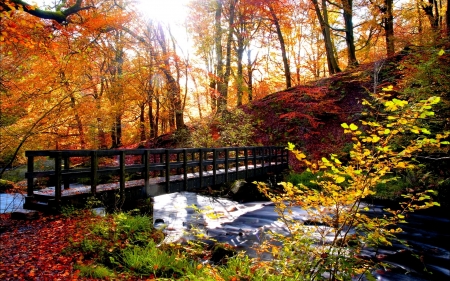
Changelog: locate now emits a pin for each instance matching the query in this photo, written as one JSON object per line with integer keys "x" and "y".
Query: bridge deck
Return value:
{"x": 77, "y": 188}
{"x": 144, "y": 172}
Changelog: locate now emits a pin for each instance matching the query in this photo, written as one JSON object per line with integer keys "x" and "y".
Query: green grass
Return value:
{"x": 95, "y": 271}
{"x": 124, "y": 244}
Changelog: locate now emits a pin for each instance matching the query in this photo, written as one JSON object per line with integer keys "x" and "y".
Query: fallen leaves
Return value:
{"x": 33, "y": 250}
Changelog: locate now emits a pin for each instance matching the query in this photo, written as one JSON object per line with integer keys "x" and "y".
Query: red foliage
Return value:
{"x": 31, "y": 250}
{"x": 310, "y": 115}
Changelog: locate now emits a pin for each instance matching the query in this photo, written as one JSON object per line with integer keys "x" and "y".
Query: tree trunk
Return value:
{"x": 287, "y": 71}
{"x": 223, "y": 98}
{"x": 249, "y": 75}
{"x": 153, "y": 125}
{"x": 349, "y": 37}
{"x": 116, "y": 134}
{"x": 221, "y": 88}
{"x": 142, "y": 136}
{"x": 333, "y": 66}
{"x": 433, "y": 16}
{"x": 389, "y": 27}
{"x": 79, "y": 123}
{"x": 240, "y": 68}
{"x": 117, "y": 91}
{"x": 447, "y": 19}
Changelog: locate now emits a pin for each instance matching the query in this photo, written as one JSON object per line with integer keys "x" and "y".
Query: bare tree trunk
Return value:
{"x": 432, "y": 13}
{"x": 240, "y": 68}
{"x": 80, "y": 126}
{"x": 176, "y": 119}
{"x": 157, "y": 118}
{"x": 249, "y": 75}
{"x": 117, "y": 91}
{"x": 142, "y": 136}
{"x": 221, "y": 87}
{"x": 389, "y": 27}
{"x": 349, "y": 37}
{"x": 287, "y": 71}
{"x": 333, "y": 66}
{"x": 447, "y": 19}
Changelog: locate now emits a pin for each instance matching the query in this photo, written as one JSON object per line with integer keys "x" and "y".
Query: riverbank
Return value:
{"x": 187, "y": 216}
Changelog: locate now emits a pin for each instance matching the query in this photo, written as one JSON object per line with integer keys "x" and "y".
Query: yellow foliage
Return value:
{"x": 336, "y": 205}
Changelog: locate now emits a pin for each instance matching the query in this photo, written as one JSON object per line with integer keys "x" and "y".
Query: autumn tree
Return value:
{"x": 322, "y": 15}
{"x": 62, "y": 13}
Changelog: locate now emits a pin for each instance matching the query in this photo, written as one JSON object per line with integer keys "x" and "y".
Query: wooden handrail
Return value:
{"x": 166, "y": 162}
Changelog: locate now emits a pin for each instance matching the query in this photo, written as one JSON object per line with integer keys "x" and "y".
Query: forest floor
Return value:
{"x": 33, "y": 249}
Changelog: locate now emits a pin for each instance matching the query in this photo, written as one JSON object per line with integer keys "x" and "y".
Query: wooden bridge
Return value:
{"x": 142, "y": 173}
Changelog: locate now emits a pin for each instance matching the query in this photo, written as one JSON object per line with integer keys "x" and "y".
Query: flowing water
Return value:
{"x": 427, "y": 256}
{"x": 11, "y": 202}
{"x": 185, "y": 214}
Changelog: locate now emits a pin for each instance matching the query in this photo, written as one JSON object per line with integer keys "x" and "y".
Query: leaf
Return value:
{"x": 353, "y": 127}
{"x": 434, "y": 99}
{"x": 425, "y": 131}
{"x": 388, "y": 88}
{"x": 441, "y": 52}
{"x": 340, "y": 179}
{"x": 344, "y": 125}
{"x": 291, "y": 146}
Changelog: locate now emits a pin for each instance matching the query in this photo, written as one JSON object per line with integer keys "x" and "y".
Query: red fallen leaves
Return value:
{"x": 32, "y": 250}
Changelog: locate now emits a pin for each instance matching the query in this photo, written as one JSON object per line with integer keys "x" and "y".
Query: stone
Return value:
{"x": 23, "y": 214}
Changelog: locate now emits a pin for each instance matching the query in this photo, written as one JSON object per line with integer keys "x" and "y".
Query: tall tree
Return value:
{"x": 347, "y": 8}
{"x": 276, "y": 22}
{"x": 322, "y": 16}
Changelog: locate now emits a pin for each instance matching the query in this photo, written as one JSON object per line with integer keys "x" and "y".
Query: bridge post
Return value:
{"x": 227, "y": 151}
{"x": 94, "y": 172}
{"x": 246, "y": 161}
{"x": 167, "y": 160}
{"x": 66, "y": 168}
{"x": 122, "y": 177}
{"x": 185, "y": 169}
{"x": 30, "y": 177}
{"x": 254, "y": 161}
{"x": 58, "y": 178}
{"x": 200, "y": 167}
{"x": 146, "y": 170}
{"x": 237, "y": 162}
{"x": 214, "y": 166}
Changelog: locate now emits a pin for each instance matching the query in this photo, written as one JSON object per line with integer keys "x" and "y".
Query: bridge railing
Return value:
{"x": 148, "y": 163}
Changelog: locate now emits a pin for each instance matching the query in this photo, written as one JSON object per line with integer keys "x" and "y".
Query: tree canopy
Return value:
{"x": 98, "y": 74}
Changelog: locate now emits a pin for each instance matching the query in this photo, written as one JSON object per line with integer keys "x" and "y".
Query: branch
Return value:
{"x": 61, "y": 16}
{"x": 433, "y": 158}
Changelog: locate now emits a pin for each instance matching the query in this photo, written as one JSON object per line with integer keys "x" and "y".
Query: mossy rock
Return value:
{"x": 6, "y": 186}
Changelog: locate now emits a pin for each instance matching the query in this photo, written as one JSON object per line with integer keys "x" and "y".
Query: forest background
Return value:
{"x": 98, "y": 74}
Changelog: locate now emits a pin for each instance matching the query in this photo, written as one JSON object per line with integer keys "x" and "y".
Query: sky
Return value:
{"x": 172, "y": 12}
{"x": 168, "y": 11}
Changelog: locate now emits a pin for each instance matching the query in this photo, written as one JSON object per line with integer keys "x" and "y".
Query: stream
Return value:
{"x": 243, "y": 225}
{"x": 183, "y": 215}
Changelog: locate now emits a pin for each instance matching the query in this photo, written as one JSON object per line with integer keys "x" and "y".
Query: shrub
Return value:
{"x": 337, "y": 204}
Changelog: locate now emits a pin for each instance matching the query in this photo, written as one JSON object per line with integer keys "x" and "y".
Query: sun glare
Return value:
{"x": 172, "y": 12}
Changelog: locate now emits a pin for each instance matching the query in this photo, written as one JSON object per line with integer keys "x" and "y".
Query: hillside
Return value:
{"x": 310, "y": 115}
